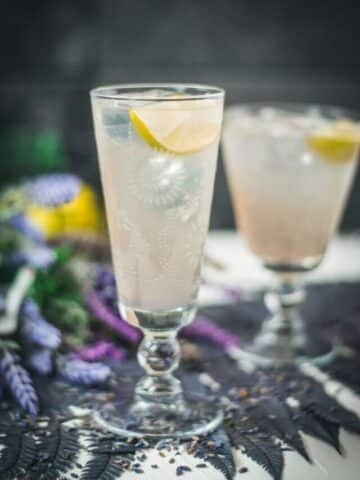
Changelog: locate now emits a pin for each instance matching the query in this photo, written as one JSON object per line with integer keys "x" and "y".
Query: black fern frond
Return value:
{"x": 320, "y": 428}
{"x": 273, "y": 416}
{"x": 104, "y": 464}
{"x": 216, "y": 450}
{"x": 59, "y": 448}
{"x": 19, "y": 455}
{"x": 264, "y": 452}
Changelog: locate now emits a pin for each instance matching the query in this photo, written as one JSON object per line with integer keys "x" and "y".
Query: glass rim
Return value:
{"x": 202, "y": 92}
{"x": 329, "y": 110}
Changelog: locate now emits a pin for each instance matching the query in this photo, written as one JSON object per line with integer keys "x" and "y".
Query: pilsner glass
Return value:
{"x": 290, "y": 168}
{"x": 157, "y": 147}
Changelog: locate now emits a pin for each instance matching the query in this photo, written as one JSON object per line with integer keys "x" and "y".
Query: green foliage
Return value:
{"x": 72, "y": 319}
{"x": 57, "y": 281}
{"x": 25, "y": 153}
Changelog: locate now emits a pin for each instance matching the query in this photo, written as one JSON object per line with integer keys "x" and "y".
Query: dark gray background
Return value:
{"x": 53, "y": 52}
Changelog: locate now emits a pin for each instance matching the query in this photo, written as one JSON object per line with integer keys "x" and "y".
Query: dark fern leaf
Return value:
{"x": 264, "y": 452}
{"x": 103, "y": 465}
{"x": 273, "y": 416}
{"x": 326, "y": 407}
{"x": 19, "y": 455}
{"x": 59, "y": 449}
{"x": 216, "y": 450}
{"x": 320, "y": 428}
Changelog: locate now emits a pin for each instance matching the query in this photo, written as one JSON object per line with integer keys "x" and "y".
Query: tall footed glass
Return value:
{"x": 290, "y": 168}
{"x": 157, "y": 148}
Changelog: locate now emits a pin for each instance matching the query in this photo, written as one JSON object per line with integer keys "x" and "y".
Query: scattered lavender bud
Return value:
{"x": 53, "y": 190}
{"x": 202, "y": 327}
{"x": 83, "y": 373}
{"x": 101, "y": 349}
{"x": 112, "y": 320}
{"x": 35, "y": 329}
{"x": 23, "y": 225}
{"x": 41, "y": 361}
{"x": 19, "y": 383}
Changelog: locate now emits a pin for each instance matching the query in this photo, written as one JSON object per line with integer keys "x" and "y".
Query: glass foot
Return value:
{"x": 256, "y": 355}
{"x": 195, "y": 416}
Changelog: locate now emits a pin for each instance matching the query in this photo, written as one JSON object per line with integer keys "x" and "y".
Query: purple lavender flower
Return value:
{"x": 19, "y": 383}
{"x": 115, "y": 322}
{"x": 23, "y": 225}
{"x": 53, "y": 190}
{"x": 202, "y": 327}
{"x": 83, "y": 373}
{"x": 41, "y": 361}
{"x": 35, "y": 329}
{"x": 101, "y": 349}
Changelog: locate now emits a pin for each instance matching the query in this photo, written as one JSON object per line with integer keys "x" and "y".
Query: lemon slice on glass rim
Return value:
{"x": 336, "y": 142}
{"x": 177, "y": 126}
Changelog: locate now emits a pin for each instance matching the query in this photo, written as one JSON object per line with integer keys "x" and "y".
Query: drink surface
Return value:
{"x": 157, "y": 196}
{"x": 288, "y": 196}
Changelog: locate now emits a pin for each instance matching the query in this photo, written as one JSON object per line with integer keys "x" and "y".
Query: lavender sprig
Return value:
{"x": 202, "y": 327}
{"x": 83, "y": 373}
{"x": 41, "y": 361}
{"x": 115, "y": 322}
{"x": 35, "y": 329}
{"x": 17, "y": 379}
{"x": 101, "y": 349}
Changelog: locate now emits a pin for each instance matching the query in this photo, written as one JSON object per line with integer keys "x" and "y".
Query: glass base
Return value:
{"x": 195, "y": 416}
{"x": 257, "y": 355}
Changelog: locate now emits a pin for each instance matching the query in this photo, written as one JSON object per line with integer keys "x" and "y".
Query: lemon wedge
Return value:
{"x": 178, "y": 126}
{"x": 337, "y": 142}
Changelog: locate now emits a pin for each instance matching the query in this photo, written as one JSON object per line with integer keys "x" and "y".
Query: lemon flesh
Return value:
{"x": 337, "y": 142}
{"x": 178, "y": 127}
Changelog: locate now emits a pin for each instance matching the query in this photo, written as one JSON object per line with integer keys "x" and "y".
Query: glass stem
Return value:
{"x": 159, "y": 390}
{"x": 283, "y": 333}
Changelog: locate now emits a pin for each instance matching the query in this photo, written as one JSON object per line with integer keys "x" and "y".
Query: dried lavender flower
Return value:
{"x": 35, "y": 329}
{"x": 41, "y": 361}
{"x": 17, "y": 379}
{"x": 115, "y": 322}
{"x": 101, "y": 349}
{"x": 83, "y": 373}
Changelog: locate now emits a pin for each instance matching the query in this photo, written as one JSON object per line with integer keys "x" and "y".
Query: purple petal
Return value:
{"x": 115, "y": 322}
{"x": 202, "y": 327}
